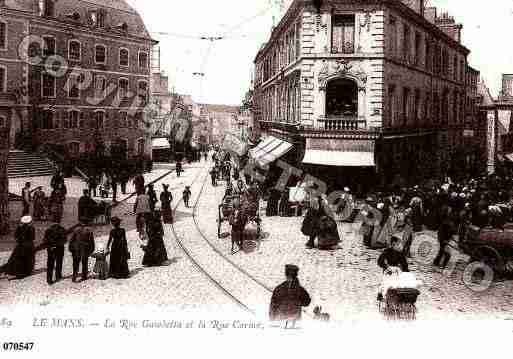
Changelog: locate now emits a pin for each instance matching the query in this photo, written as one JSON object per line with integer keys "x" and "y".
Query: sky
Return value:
{"x": 228, "y": 64}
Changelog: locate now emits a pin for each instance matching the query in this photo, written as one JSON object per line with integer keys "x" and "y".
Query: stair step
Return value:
{"x": 23, "y": 164}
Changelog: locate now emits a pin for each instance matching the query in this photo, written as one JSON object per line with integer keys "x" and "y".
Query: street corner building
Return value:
{"x": 362, "y": 93}
{"x": 73, "y": 73}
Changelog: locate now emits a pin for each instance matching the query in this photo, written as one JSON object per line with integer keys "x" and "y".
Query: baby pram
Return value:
{"x": 400, "y": 295}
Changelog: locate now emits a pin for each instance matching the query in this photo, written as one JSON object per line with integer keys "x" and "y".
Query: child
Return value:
{"x": 101, "y": 267}
{"x": 186, "y": 196}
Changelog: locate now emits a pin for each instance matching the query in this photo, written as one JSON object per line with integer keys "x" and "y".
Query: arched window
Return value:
{"x": 140, "y": 146}
{"x": 143, "y": 60}
{"x": 341, "y": 98}
{"x": 74, "y": 50}
{"x": 124, "y": 57}
{"x": 100, "y": 54}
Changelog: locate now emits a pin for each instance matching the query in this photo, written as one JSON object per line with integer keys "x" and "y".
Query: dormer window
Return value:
{"x": 98, "y": 18}
{"x": 123, "y": 27}
{"x": 46, "y": 8}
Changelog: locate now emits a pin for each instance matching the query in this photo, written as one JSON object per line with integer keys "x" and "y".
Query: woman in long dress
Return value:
{"x": 155, "y": 252}
{"x": 22, "y": 260}
{"x": 165, "y": 204}
{"x": 39, "y": 204}
{"x": 119, "y": 254}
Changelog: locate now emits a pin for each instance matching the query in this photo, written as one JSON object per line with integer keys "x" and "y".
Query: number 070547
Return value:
{"x": 17, "y": 346}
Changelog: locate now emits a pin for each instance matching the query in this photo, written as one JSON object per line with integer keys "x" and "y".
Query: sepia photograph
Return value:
{"x": 256, "y": 177}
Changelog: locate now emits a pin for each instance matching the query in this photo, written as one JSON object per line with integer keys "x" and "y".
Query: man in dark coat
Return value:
{"x": 393, "y": 257}
{"x": 57, "y": 180}
{"x": 54, "y": 241}
{"x": 81, "y": 247}
{"x": 86, "y": 207}
{"x": 288, "y": 297}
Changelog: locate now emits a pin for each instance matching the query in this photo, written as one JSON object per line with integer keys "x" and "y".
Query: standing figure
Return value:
{"x": 187, "y": 196}
{"x": 87, "y": 207}
{"x": 81, "y": 247}
{"x": 155, "y": 253}
{"x": 93, "y": 185}
{"x": 178, "y": 168}
{"x": 206, "y": 156}
{"x": 22, "y": 260}
{"x": 213, "y": 176}
{"x": 142, "y": 210}
{"x": 57, "y": 180}
{"x": 289, "y": 297}
{"x": 26, "y": 198}
{"x": 39, "y": 204}
{"x": 165, "y": 204}
{"x": 54, "y": 241}
{"x": 119, "y": 254}
{"x": 114, "y": 182}
{"x": 152, "y": 196}
{"x": 101, "y": 266}
{"x": 139, "y": 184}
{"x": 57, "y": 199}
{"x": 123, "y": 180}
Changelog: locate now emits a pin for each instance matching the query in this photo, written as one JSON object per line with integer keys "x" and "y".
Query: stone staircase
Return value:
{"x": 24, "y": 164}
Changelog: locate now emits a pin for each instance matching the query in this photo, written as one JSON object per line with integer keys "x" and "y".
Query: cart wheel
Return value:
{"x": 490, "y": 257}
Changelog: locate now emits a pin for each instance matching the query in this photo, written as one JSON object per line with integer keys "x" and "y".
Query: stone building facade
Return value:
{"x": 364, "y": 88}
{"x": 85, "y": 71}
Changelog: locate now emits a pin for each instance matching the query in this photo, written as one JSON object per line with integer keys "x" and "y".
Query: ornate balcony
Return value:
{"x": 341, "y": 123}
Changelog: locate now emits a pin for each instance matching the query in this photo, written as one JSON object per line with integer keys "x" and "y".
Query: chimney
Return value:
{"x": 447, "y": 24}
{"x": 430, "y": 14}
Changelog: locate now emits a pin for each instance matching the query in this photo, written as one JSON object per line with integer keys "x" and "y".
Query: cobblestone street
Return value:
{"x": 344, "y": 282}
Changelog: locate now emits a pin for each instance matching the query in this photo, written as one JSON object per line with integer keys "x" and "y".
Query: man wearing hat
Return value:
{"x": 288, "y": 297}
{"x": 54, "y": 241}
{"x": 81, "y": 247}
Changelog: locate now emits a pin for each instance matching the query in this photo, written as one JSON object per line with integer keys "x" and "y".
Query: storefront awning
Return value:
{"x": 269, "y": 150}
{"x": 160, "y": 144}
{"x": 343, "y": 153}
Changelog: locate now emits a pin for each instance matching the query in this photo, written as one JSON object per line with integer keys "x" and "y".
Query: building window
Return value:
{"x": 392, "y": 108}
{"x": 99, "y": 117}
{"x": 123, "y": 89}
{"x": 100, "y": 87}
{"x": 406, "y": 43}
{"x": 428, "y": 56}
{"x": 393, "y": 37}
{"x": 143, "y": 92}
{"x": 3, "y": 122}
{"x": 46, "y": 8}
{"x": 3, "y": 35}
{"x": 3, "y": 79}
{"x": 124, "y": 56}
{"x": 47, "y": 120}
{"x": 406, "y": 106}
{"x": 298, "y": 40}
{"x": 123, "y": 119}
{"x": 98, "y": 18}
{"x": 140, "y": 147}
{"x": 74, "y": 116}
{"x": 74, "y": 149}
{"x": 48, "y": 45}
{"x": 342, "y": 39}
{"x": 100, "y": 54}
{"x": 74, "y": 50}
{"x": 445, "y": 62}
{"x": 74, "y": 82}
{"x": 143, "y": 60}
{"x": 49, "y": 84}
{"x": 416, "y": 55}
{"x": 416, "y": 107}
{"x": 427, "y": 107}
{"x": 82, "y": 121}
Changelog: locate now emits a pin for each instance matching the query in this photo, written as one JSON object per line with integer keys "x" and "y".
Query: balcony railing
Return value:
{"x": 342, "y": 123}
